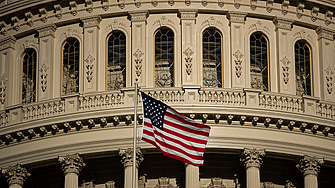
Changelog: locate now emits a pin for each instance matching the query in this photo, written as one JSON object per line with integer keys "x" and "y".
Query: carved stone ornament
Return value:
{"x": 16, "y": 24}
{"x": 88, "y": 185}
{"x": 253, "y": 4}
{"x": 252, "y": 157}
{"x": 139, "y": 15}
{"x": 285, "y": 66}
{"x": 259, "y": 26}
{"x": 188, "y": 60}
{"x": 16, "y": 174}
{"x": 289, "y": 184}
{"x": 70, "y": 32}
{"x": 91, "y": 21}
{"x": 3, "y": 87}
{"x": 46, "y": 30}
{"x": 138, "y": 62}
{"x": 154, "y": 3}
{"x": 89, "y": 6}
{"x": 300, "y": 10}
{"x": 269, "y": 5}
{"x": 212, "y": 21}
{"x": 188, "y": 14}
{"x": 325, "y": 33}
{"x": 236, "y": 17}
{"x": 138, "y": 3}
{"x": 314, "y": 13}
{"x": 238, "y": 63}
{"x": 44, "y": 15}
{"x": 237, "y": 4}
{"x": 28, "y": 43}
{"x": 121, "y": 4}
{"x": 163, "y": 182}
{"x": 163, "y": 21}
{"x": 71, "y": 163}
{"x": 3, "y": 28}
{"x": 328, "y": 17}
{"x": 329, "y": 79}
{"x": 216, "y": 182}
{"x": 302, "y": 34}
{"x": 284, "y": 6}
{"x": 89, "y": 67}
{"x": 115, "y": 25}
{"x": 44, "y": 76}
{"x": 171, "y": 2}
{"x": 29, "y": 17}
{"x": 105, "y": 5}
{"x": 127, "y": 157}
{"x": 204, "y": 3}
{"x": 268, "y": 185}
{"x": 110, "y": 184}
{"x": 282, "y": 23}
{"x": 58, "y": 11}
{"x": 73, "y": 8}
{"x": 8, "y": 42}
{"x": 187, "y": 2}
{"x": 220, "y": 3}
{"x": 310, "y": 165}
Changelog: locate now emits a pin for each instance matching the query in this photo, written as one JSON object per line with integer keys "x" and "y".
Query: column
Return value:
{"x": 138, "y": 48}
{"x": 16, "y": 175}
{"x": 191, "y": 176}
{"x": 237, "y": 54}
{"x": 45, "y": 89}
{"x": 91, "y": 49}
{"x": 71, "y": 166}
{"x": 127, "y": 161}
{"x": 252, "y": 159}
{"x": 326, "y": 57}
{"x": 285, "y": 58}
{"x": 310, "y": 167}
{"x": 9, "y": 71}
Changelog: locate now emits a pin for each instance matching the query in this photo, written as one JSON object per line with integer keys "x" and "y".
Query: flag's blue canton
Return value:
{"x": 154, "y": 110}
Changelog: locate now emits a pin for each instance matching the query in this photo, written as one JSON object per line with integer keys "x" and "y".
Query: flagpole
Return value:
{"x": 135, "y": 135}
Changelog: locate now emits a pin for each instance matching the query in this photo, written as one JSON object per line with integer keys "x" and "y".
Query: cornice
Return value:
{"x": 236, "y": 17}
{"x": 91, "y": 21}
{"x": 47, "y": 30}
{"x": 188, "y": 14}
{"x": 138, "y": 16}
{"x": 325, "y": 33}
{"x": 282, "y": 23}
{"x": 8, "y": 42}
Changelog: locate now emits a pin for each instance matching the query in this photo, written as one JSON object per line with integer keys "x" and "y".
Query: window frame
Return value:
{"x": 36, "y": 75}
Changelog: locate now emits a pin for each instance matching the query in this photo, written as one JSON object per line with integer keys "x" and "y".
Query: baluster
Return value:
{"x": 81, "y": 103}
{"x": 201, "y": 95}
{"x": 25, "y": 113}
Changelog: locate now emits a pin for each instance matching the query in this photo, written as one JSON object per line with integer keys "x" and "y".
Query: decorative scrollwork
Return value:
{"x": 3, "y": 87}
{"x": 138, "y": 62}
{"x": 286, "y": 69}
{"x": 44, "y": 76}
{"x": 89, "y": 67}
{"x": 188, "y": 52}
{"x": 329, "y": 79}
{"x": 238, "y": 63}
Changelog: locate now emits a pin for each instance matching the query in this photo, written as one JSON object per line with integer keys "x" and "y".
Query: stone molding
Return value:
{"x": 138, "y": 16}
{"x": 8, "y": 42}
{"x": 282, "y": 23}
{"x": 236, "y": 17}
{"x": 91, "y": 21}
{"x": 325, "y": 33}
{"x": 72, "y": 163}
{"x": 47, "y": 30}
{"x": 127, "y": 157}
{"x": 188, "y": 14}
{"x": 16, "y": 174}
{"x": 252, "y": 157}
{"x": 310, "y": 165}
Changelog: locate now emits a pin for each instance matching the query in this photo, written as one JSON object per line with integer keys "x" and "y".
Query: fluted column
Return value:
{"x": 16, "y": 175}
{"x": 252, "y": 159}
{"x": 310, "y": 166}
{"x": 191, "y": 176}
{"x": 71, "y": 166}
{"x": 127, "y": 161}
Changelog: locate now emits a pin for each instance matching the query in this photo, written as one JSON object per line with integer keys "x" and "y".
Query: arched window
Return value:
{"x": 116, "y": 64}
{"x": 29, "y": 76}
{"x": 70, "y": 82}
{"x": 259, "y": 61}
{"x": 212, "y": 58}
{"x": 303, "y": 72}
{"x": 164, "y": 58}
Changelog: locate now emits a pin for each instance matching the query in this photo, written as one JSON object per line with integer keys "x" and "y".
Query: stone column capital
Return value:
{"x": 16, "y": 174}
{"x": 282, "y": 23}
{"x": 47, "y": 30}
{"x": 71, "y": 163}
{"x": 310, "y": 165}
{"x": 8, "y": 42}
{"x": 91, "y": 21}
{"x": 140, "y": 15}
{"x": 188, "y": 14}
{"x": 252, "y": 157}
{"x": 127, "y": 157}
{"x": 325, "y": 33}
{"x": 236, "y": 17}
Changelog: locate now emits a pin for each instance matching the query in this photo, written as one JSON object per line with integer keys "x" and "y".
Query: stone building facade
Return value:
{"x": 259, "y": 72}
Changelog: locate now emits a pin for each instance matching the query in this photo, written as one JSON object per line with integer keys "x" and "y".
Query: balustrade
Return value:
{"x": 42, "y": 109}
{"x": 281, "y": 102}
{"x": 168, "y": 96}
{"x": 325, "y": 109}
{"x": 101, "y": 100}
{"x": 226, "y": 97}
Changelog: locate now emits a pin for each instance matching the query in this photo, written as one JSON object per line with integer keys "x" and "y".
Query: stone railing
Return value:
{"x": 223, "y": 97}
{"x": 280, "y": 102}
{"x": 326, "y": 109}
{"x": 43, "y": 109}
{"x": 101, "y": 100}
{"x": 175, "y": 95}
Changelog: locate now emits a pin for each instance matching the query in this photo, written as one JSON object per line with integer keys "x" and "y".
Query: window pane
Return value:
{"x": 116, "y": 64}
{"x": 70, "y": 82}
{"x": 164, "y": 58}
{"x": 29, "y": 76}
{"x": 303, "y": 68}
{"x": 212, "y": 58}
{"x": 259, "y": 62}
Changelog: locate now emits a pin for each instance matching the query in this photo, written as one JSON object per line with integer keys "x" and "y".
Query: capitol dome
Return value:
{"x": 260, "y": 73}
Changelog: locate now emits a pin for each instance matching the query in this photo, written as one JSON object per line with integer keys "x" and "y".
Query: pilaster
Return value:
{"x": 16, "y": 175}
{"x": 252, "y": 159}
{"x": 191, "y": 176}
{"x": 237, "y": 53}
{"x": 285, "y": 57}
{"x": 189, "y": 68}
{"x": 8, "y": 73}
{"x": 139, "y": 54}
{"x": 91, "y": 49}
{"x": 327, "y": 67}
{"x": 46, "y": 62}
{"x": 71, "y": 166}
{"x": 310, "y": 167}
{"x": 127, "y": 161}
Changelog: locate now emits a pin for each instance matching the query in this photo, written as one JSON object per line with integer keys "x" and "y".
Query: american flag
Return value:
{"x": 174, "y": 134}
